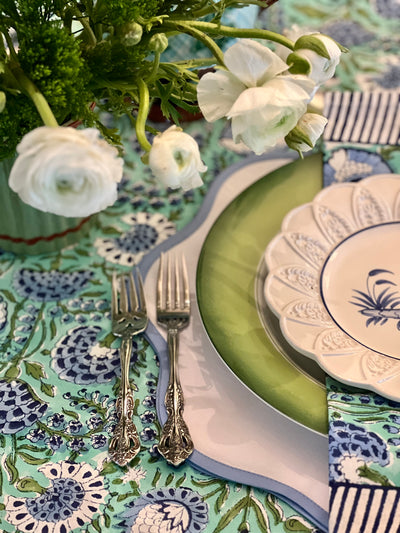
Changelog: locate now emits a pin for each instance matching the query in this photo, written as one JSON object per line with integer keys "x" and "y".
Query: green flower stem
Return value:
{"x": 154, "y": 69}
{"x": 210, "y": 28}
{"x": 189, "y": 64}
{"x": 86, "y": 26}
{"x": 21, "y": 355}
{"x": 210, "y": 9}
{"x": 36, "y": 96}
{"x": 196, "y": 31}
{"x": 14, "y": 447}
{"x": 143, "y": 112}
{"x": 10, "y": 45}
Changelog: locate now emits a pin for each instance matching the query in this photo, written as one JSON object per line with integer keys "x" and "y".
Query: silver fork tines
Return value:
{"x": 129, "y": 318}
{"x": 173, "y": 312}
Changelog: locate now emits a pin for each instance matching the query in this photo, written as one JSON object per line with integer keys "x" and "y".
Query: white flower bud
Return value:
{"x": 158, "y": 43}
{"x": 308, "y": 130}
{"x": 131, "y": 33}
{"x": 322, "y": 53}
{"x": 175, "y": 159}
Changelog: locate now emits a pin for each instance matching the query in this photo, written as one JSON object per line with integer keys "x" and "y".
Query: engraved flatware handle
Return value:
{"x": 175, "y": 444}
{"x": 125, "y": 444}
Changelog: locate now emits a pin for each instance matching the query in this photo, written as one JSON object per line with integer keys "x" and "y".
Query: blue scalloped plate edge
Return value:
{"x": 294, "y": 498}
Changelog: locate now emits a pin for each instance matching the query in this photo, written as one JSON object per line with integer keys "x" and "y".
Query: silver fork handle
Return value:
{"x": 125, "y": 444}
{"x": 176, "y": 444}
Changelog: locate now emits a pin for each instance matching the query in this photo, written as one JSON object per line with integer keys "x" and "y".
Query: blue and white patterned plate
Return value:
{"x": 334, "y": 282}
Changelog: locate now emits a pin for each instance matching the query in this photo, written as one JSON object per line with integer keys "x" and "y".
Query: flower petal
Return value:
{"x": 253, "y": 63}
{"x": 217, "y": 92}
{"x": 281, "y": 92}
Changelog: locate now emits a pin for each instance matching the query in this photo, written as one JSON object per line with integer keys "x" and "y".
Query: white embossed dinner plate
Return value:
{"x": 334, "y": 282}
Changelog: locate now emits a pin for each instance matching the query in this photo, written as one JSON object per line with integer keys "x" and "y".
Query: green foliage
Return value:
{"x": 17, "y": 119}
{"x": 51, "y": 58}
{"x": 118, "y": 12}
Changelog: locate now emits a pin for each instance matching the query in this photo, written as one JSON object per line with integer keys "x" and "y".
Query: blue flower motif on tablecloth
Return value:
{"x": 79, "y": 358}
{"x": 18, "y": 408}
{"x": 177, "y": 510}
{"x": 148, "y": 417}
{"x": 49, "y": 286}
{"x": 71, "y": 501}
{"x": 98, "y": 441}
{"x": 36, "y": 435}
{"x": 351, "y": 447}
{"x": 147, "y": 231}
{"x": 74, "y": 427}
{"x": 348, "y": 33}
{"x": 54, "y": 442}
{"x": 148, "y": 434}
{"x": 76, "y": 444}
{"x": 56, "y": 421}
{"x": 94, "y": 422}
{"x": 353, "y": 165}
{"x": 388, "y": 8}
{"x": 390, "y": 78}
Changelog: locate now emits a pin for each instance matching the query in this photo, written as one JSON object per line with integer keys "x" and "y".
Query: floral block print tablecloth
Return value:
{"x": 59, "y": 377}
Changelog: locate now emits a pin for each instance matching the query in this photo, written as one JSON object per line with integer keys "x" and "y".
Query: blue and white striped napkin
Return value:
{"x": 363, "y": 117}
{"x": 362, "y": 509}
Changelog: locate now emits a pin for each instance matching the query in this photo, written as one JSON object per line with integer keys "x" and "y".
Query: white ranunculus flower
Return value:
{"x": 306, "y": 133}
{"x": 262, "y": 99}
{"x": 250, "y": 64}
{"x": 175, "y": 159}
{"x": 66, "y": 171}
{"x": 322, "y": 68}
{"x": 261, "y": 116}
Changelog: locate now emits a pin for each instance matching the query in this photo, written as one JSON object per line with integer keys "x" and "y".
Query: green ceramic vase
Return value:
{"x": 26, "y": 230}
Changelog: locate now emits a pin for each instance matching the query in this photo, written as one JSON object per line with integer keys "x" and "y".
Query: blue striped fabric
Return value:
{"x": 364, "y": 509}
{"x": 363, "y": 117}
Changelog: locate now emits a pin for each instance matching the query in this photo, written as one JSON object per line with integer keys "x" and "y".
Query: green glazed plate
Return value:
{"x": 227, "y": 272}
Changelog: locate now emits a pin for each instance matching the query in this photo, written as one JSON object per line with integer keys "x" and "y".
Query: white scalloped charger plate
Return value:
{"x": 334, "y": 282}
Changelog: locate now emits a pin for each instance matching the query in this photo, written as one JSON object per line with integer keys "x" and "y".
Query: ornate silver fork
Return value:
{"x": 173, "y": 312}
{"x": 129, "y": 317}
